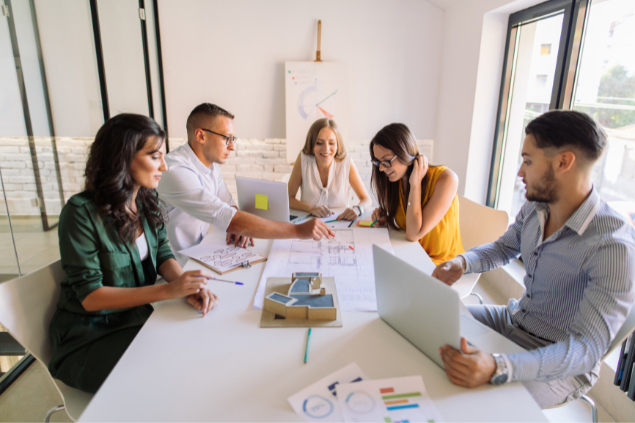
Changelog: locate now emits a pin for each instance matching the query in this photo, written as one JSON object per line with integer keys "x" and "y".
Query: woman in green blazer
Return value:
{"x": 113, "y": 244}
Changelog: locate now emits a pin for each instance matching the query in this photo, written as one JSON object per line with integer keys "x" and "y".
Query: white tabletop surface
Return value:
{"x": 224, "y": 367}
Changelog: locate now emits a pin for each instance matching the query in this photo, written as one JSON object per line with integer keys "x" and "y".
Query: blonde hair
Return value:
{"x": 314, "y": 131}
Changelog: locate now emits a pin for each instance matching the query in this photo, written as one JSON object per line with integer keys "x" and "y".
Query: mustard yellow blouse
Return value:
{"x": 443, "y": 242}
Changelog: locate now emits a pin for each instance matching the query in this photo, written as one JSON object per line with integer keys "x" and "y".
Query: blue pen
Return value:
{"x": 221, "y": 280}
{"x": 302, "y": 219}
{"x": 351, "y": 224}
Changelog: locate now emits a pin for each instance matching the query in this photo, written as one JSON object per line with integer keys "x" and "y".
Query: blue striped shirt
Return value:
{"x": 578, "y": 287}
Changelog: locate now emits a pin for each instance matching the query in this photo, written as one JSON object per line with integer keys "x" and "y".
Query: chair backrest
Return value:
{"x": 480, "y": 224}
{"x": 622, "y": 334}
{"x": 27, "y": 305}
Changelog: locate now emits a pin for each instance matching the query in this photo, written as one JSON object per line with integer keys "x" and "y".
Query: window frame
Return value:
{"x": 571, "y": 42}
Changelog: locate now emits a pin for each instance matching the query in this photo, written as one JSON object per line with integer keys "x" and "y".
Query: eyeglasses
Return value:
{"x": 385, "y": 163}
{"x": 228, "y": 140}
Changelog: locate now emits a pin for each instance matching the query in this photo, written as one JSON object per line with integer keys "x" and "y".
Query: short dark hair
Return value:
{"x": 568, "y": 128}
{"x": 204, "y": 110}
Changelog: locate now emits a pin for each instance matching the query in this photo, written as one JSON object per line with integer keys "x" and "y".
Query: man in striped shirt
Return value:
{"x": 579, "y": 255}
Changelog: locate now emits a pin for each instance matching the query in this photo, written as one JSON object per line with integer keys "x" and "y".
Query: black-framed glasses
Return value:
{"x": 385, "y": 163}
{"x": 228, "y": 140}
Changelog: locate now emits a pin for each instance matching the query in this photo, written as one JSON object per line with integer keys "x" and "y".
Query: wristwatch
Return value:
{"x": 360, "y": 209}
{"x": 500, "y": 375}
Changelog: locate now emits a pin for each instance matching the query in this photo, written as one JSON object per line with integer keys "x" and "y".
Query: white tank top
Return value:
{"x": 142, "y": 246}
{"x": 336, "y": 192}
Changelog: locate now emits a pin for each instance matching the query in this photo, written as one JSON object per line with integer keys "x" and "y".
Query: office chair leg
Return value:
{"x": 480, "y": 299}
{"x": 53, "y": 411}
{"x": 594, "y": 409}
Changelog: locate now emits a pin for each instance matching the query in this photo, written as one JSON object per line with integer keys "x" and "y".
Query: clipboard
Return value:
{"x": 222, "y": 258}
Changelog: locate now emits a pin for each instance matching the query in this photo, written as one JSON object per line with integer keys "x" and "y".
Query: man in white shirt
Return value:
{"x": 197, "y": 197}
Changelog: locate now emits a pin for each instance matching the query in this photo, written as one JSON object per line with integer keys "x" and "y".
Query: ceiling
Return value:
{"x": 445, "y": 4}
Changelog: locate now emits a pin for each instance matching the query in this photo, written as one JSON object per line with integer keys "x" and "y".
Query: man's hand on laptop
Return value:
{"x": 469, "y": 367}
{"x": 450, "y": 271}
{"x": 239, "y": 240}
{"x": 314, "y": 229}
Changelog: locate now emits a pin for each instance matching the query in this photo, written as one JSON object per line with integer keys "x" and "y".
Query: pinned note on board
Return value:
{"x": 262, "y": 202}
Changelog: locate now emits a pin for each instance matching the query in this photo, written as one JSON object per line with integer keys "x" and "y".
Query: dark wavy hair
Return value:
{"x": 397, "y": 138}
{"x": 108, "y": 174}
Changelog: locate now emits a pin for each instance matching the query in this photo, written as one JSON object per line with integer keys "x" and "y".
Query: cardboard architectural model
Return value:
{"x": 306, "y": 299}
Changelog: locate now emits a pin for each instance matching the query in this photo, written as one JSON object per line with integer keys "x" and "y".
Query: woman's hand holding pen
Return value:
{"x": 419, "y": 169}
{"x": 348, "y": 214}
{"x": 380, "y": 216}
{"x": 191, "y": 284}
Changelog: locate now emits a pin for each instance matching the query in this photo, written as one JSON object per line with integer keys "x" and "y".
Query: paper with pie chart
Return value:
{"x": 313, "y": 90}
{"x": 318, "y": 402}
{"x": 398, "y": 400}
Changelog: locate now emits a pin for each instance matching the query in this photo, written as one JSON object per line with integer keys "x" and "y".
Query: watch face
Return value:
{"x": 499, "y": 380}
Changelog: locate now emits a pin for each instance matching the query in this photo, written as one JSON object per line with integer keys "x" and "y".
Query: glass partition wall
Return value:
{"x": 568, "y": 54}
{"x": 62, "y": 71}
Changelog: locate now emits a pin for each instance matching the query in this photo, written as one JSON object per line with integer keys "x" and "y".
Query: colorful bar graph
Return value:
{"x": 403, "y": 401}
{"x": 407, "y": 395}
{"x": 386, "y": 390}
{"x": 401, "y": 407}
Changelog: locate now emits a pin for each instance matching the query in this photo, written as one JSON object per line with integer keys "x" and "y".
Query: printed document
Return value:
{"x": 352, "y": 269}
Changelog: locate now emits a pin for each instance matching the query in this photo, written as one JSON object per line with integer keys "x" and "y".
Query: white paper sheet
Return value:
{"x": 387, "y": 401}
{"x": 216, "y": 253}
{"x": 353, "y": 271}
{"x": 318, "y": 402}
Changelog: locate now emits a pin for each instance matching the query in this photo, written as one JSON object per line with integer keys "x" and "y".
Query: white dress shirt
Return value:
{"x": 196, "y": 196}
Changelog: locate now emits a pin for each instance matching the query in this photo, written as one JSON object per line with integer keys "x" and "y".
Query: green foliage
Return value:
{"x": 619, "y": 87}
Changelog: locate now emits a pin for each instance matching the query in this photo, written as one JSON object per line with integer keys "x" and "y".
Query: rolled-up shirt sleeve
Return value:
{"x": 182, "y": 188}
{"x": 607, "y": 301}
{"x": 498, "y": 253}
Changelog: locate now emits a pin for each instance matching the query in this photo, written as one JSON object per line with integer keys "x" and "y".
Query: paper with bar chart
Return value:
{"x": 318, "y": 402}
{"x": 398, "y": 400}
{"x": 352, "y": 269}
{"x": 313, "y": 90}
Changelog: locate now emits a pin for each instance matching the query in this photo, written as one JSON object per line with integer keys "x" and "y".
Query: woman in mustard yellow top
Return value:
{"x": 414, "y": 196}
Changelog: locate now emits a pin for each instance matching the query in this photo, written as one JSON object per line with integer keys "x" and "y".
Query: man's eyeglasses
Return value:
{"x": 384, "y": 163}
{"x": 228, "y": 140}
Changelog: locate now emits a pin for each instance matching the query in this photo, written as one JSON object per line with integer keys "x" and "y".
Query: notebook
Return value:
{"x": 222, "y": 258}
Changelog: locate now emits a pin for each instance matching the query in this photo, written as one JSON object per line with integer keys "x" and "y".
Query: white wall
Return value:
{"x": 473, "y": 49}
{"x": 232, "y": 53}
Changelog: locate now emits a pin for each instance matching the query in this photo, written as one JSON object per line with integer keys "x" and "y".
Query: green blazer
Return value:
{"x": 93, "y": 255}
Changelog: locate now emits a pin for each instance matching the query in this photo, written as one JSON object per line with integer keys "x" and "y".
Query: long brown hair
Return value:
{"x": 108, "y": 174}
{"x": 397, "y": 138}
{"x": 314, "y": 131}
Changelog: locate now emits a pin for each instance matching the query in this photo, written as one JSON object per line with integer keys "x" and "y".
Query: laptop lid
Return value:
{"x": 267, "y": 199}
{"x": 421, "y": 308}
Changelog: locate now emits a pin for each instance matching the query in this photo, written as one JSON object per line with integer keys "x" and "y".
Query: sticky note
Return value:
{"x": 262, "y": 202}
{"x": 365, "y": 223}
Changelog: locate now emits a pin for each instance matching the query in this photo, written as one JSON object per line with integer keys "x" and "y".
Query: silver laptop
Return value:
{"x": 268, "y": 199}
{"x": 427, "y": 312}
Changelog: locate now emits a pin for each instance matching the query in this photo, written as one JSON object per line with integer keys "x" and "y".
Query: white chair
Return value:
{"x": 479, "y": 225}
{"x": 622, "y": 334}
{"x": 27, "y": 305}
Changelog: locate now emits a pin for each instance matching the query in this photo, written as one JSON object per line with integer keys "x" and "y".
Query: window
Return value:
{"x": 545, "y": 49}
{"x": 592, "y": 70}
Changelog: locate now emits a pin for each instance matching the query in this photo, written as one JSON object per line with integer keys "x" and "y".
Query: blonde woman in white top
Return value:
{"x": 326, "y": 173}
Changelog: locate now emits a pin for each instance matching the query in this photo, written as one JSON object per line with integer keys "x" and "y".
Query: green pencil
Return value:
{"x": 371, "y": 225}
{"x": 306, "y": 351}
{"x": 331, "y": 221}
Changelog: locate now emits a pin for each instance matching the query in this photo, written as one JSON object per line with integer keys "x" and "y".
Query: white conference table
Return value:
{"x": 224, "y": 367}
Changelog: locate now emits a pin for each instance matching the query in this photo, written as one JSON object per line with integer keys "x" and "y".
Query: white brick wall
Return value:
{"x": 254, "y": 158}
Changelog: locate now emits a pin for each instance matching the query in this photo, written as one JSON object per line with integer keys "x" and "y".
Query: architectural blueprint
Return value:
{"x": 353, "y": 270}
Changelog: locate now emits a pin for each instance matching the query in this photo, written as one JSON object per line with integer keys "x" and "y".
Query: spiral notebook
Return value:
{"x": 222, "y": 258}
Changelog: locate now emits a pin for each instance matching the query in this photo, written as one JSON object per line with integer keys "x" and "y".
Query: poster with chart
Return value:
{"x": 313, "y": 90}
